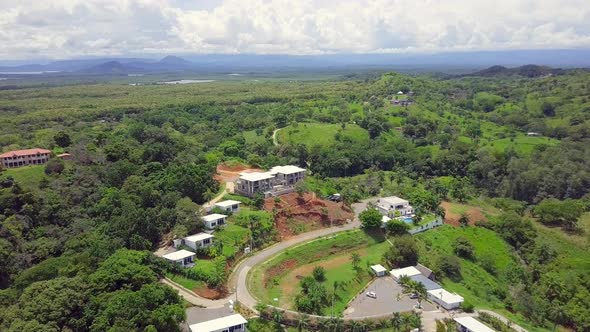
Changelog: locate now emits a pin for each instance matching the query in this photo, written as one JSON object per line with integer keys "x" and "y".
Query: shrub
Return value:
{"x": 467, "y": 306}
{"x": 370, "y": 218}
{"x": 450, "y": 266}
{"x": 396, "y": 227}
{"x": 319, "y": 273}
{"x": 54, "y": 166}
{"x": 463, "y": 248}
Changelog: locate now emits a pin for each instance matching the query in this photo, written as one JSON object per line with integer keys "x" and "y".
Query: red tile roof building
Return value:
{"x": 19, "y": 158}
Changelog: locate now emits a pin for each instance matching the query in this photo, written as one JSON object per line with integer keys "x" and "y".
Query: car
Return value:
{"x": 413, "y": 296}
{"x": 372, "y": 294}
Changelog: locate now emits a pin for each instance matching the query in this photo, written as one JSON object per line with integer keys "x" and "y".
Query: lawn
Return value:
{"x": 320, "y": 133}
{"x": 279, "y": 277}
{"x": 522, "y": 144}
{"x": 231, "y": 236}
{"x": 185, "y": 282}
{"x": 476, "y": 285}
{"x": 252, "y": 138}
{"x": 28, "y": 176}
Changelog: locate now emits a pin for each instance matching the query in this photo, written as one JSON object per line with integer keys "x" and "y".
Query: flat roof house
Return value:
{"x": 182, "y": 257}
{"x": 201, "y": 240}
{"x": 279, "y": 180}
{"x": 470, "y": 324}
{"x": 387, "y": 206}
{"x": 379, "y": 270}
{"x": 406, "y": 271}
{"x": 228, "y": 205}
{"x": 19, "y": 158}
{"x": 213, "y": 220}
{"x": 445, "y": 299}
{"x": 232, "y": 323}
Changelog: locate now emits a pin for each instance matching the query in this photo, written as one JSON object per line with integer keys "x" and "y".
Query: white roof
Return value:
{"x": 287, "y": 169}
{"x": 393, "y": 200}
{"x": 227, "y": 203}
{"x": 473, "y": 324}
{"x": 256, "y": 176}
{"x": 214, "y": 216}
{"x": 400, "y": 93}
{"x": 378, "y": 268}
{"x": 198, "y": 237}
{"x": 178, "y": 255}
{"x": 385, "y": 219}
{"x": 406, "y": 271}
{"x": 445, "y": 296}
{"x": 219, "y": 323}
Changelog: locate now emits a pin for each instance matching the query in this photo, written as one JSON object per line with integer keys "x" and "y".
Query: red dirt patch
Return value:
{"x": 210, "y": 293}
{"x": 475, "y": 214}
{"x": 294, "y": 214}
{"x": 230, "y": 173}
{"x": 278, "y": 270}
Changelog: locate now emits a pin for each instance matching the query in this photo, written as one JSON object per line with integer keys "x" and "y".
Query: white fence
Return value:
{"x": 430, "y": 225}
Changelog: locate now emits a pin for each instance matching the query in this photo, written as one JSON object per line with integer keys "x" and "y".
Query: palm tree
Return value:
{"x": 335, "y": 324}
{"x": 302, "y": 321}
{"x": 323, "y": 324}
{"x": 356, "y": 326}
{"x": 414, "y": 287}
{"x": 277, "y": 316}
{"x": 355, "y": 259}
{"x": 397, "y": 321}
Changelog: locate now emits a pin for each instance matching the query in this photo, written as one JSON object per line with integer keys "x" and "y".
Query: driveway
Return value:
{"x": 386, "y": 303}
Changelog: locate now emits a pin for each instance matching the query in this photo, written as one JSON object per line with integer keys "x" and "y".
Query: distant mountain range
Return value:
{"x": 525, "y": 71}
{"x": 460, "y": 62}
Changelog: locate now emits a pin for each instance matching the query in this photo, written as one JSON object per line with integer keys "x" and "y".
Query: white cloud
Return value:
{"x": 67, "y": 28}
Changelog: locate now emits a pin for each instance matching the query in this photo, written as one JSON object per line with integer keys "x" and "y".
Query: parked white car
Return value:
{"x": 372, "y": 294}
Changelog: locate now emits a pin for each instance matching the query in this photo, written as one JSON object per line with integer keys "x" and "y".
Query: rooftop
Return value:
{"x": 473, "y": 324}
{"x": 20, "y": 153}
{"x": 287, "y": 169}
{"x": 227, "y": 203}
{"x": 393, "y": 200}
{"x": 378, "y": 268}
{"x": 406, "y": 271}
{"x": 178, "y": 255}
{"x": 219, "y": 323}
{"x": 214, "y": 216}
{"x": 256, "y": 176}
{"x": 446, "y": 296}
{"x": 428, "y": 284}
{"x": 198, "y": 237}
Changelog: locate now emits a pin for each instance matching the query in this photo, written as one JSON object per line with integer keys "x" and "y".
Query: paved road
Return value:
{"x": 274, "y": 137}
{"x": 238, "y": 279}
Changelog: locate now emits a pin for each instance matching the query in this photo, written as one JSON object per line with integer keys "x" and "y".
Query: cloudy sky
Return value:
{"x": 75, "y": 28}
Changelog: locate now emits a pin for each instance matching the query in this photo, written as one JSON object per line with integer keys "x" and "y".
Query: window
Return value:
{"x": 206, "y": 241}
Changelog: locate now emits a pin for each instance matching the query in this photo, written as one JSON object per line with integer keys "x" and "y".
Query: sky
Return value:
{"x": 59, "y": 29}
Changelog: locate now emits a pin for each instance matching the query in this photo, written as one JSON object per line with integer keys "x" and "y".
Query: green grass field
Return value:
{"x": 28, "y": 176}
{"x": 320, "y": 133}
{"x": 185, "y": 282}
{"x": 252, "y": 138}
{"x": 231, "y": 236}
{"x": 522, "y": 144}
{"x": 333, "y": 253}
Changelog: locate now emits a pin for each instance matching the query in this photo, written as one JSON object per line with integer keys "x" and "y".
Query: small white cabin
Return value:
{"x": 228, "y": 205}
{"x": 201, "y": 240}
{"x": 182, "y": 257}
{"x": 214, "y": 220}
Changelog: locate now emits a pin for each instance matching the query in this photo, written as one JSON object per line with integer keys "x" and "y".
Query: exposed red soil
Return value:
{"x": 230, "y": 173}
{"x": 210, "y": 293}
{"x": 452, "y": 218}
{"x": 308, "y": 211}
{"x": 278, "y": 270}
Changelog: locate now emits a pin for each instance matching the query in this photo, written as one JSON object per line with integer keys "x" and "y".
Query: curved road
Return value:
{"x": 274, "y": 137}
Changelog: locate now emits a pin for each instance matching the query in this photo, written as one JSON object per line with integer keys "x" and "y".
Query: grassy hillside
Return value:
{"x": 28, "y": 176}
{"x": 320, "y": 133}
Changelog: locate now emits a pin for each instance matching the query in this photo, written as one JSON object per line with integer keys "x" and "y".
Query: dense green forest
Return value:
{"x": 75, "y": 235}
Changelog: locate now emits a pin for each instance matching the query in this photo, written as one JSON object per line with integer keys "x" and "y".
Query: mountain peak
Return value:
{"x": 172, "y": 59}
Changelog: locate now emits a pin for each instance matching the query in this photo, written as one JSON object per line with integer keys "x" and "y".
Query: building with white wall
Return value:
{"x": 231, "y": 323}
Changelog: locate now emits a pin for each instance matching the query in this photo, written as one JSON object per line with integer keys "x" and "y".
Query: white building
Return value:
{"x": 228, "y": 205}
{"x": 182, "y": 257}
{"x": 445, "y": 299}
{"x": 379, "y": 270}
{"x": 215, "y": 219}
{"x": 232, "y": 323}
{"x": 470, "y": 324}
{"x": 279, "y": 180}
{"x": 388, "y": 206}
{"x": 406, "y": 271}
{"x": 201, "y": 240}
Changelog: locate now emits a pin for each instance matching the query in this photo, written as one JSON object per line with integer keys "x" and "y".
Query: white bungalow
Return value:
{"x": 470, "y": 324}
{"x": 228, "y": 205}
{"x": 406, "y": 271}
{"x": 387, "y": 206}
{"x": 213, "y": 220}
{"x": 233, "y": 323}
{"x": 378, "y": 270}
{"x": 201, "y": 240}
{"x": 182, "y": 257}
{"x": 445, "y": 299}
